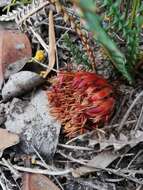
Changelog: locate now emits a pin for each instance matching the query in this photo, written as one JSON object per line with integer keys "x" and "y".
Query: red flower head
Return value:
{"x": 80, "y": 99}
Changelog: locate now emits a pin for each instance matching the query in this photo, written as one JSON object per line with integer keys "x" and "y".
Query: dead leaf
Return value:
{"x": 14, "y": 46}
{"x": 37, "y": 182}
{"x": 97, "y": 185}
{"x": 52, "y": 44}
{"x": 7, "y": 139}
{"x": 15, "y": 67}
{"x": 119, "y": 143}
{"x": 101, "y": 161}
{"x": 106, "y": 157}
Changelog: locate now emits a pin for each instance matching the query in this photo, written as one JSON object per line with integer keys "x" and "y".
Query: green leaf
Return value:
{"x": 116, "y": 56}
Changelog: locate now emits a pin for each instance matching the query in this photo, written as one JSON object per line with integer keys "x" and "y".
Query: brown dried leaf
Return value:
{"x": 7, "y": 139}
{"x": 105, "y": 158}
{"x": 52, "y": 44}
{"x": 101, "y": 161}
{"x": 14, "y": 47}
{"x": 37, "y": 182}
{"x": 119, "y": 143}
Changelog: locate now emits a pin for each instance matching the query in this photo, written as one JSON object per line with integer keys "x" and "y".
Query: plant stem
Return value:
{"x": 135, "y": 6}
{"x": 127, "y": 8}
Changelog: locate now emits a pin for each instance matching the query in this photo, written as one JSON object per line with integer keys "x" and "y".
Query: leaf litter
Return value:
{"x": 111, "y": 159}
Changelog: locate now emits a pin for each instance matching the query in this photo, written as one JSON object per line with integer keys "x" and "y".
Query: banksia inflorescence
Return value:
{"x": 81, "y": 101}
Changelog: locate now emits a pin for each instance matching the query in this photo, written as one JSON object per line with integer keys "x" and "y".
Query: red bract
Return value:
{"x": 80, "y": 99}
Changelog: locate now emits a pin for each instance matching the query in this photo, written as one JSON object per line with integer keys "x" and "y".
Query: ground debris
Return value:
{"x": 7, "y": 139}
{"x": 20, "y": 83}
{"x": 107, "y": 157}
{"x": 15, "y": 48}
{"x": 37, "y": 182}
{"x": 117, "y": 143}
{"x": 4, "y": 3}
{"x": 34, "y": 124}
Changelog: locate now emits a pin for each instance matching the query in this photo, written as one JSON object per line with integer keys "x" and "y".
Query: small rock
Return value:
{"x": 4, "y": 2}
{"x": 32, "y": 120}
{"x": 3, "y": 108}
{"x": 20, "y": 83}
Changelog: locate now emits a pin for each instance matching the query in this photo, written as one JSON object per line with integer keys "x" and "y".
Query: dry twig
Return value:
{"x": 123, "y": 121}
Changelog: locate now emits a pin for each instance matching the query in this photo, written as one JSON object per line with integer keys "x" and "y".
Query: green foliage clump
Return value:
{"x": 124, "y": 21}
{"x": 126, "y": 24}
{"x": 79, "y": 56}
